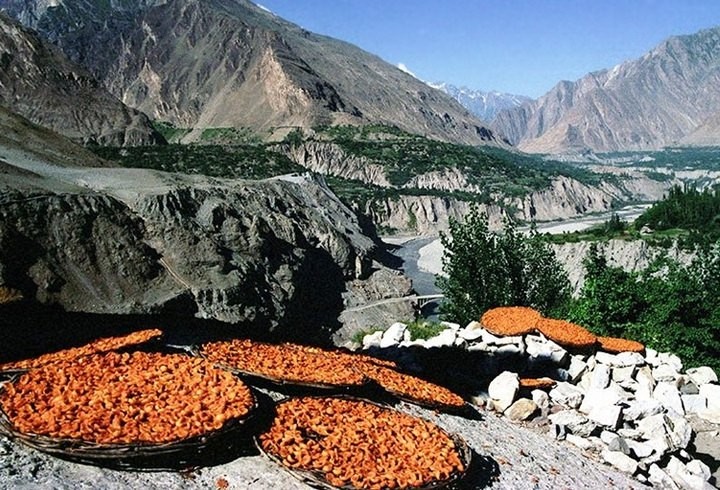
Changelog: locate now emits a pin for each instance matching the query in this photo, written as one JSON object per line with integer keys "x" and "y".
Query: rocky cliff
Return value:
{"x": 277, "y": 253}
{"x": 38, "y": 82}
{"x": 229, "y": 63}
{"x": 647, "y": 103}
{"x": 564, "y": 198}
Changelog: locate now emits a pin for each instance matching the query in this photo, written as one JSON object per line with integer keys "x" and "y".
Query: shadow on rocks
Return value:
{"x": 482, "y": 472}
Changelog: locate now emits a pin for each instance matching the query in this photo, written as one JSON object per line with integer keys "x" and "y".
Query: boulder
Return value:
{"x": 566, "y": 394}
{"x": 651, "y": 357}
{"x": 605, "y": 358}
{"x": 574, "y": 422}
{"x": 599, "y": 398}
{"x": 509, "y": 349}
{"x": 576, "y": 369}
{"x": 372, "y": 340}
{"x": 627, "y": 359}
{"x": 660, "y": 479}
{"x": 645, "y": 383}
{"x": 639, "y": 409}
{"x": 639, "y": 449}
{"x": 669, "y": 396}
{"x": 609, "y": 416}
{"x": 712, "y": 393}
{"x": 620, "y": 461}
{"x": 686, "y": 385}
{"x": 697, "y": 467}
{"x": 652, "y": 426}
{"x": 600, "y": 376}
{"x": 541, "y": 399}
{"x": 678, "y": 430}
{"x": 710, "y": 415}
{"x": 522, "y": 409}
{"x": 693, "y": 403}
{"x": 578, "y": 441}
{"x": 472, "y": 331}
{"x": 702, "y": 375}
{"x": 614, "y": 442}
{"x": 503, "y": 389}
{"x": 665, "y": 372}
{"x": 684, "y": 478}
{"x": 479, "y": 347}
{"x": 544, "y": 350}
{"x": 393, "y": 335}
{"x": 446, "y": 338}
{"x": 671, "y": 360}
{"x": 623, "y": 374}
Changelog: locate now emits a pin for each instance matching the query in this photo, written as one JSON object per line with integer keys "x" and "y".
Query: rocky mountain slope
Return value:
{"x": 38, "y": 82}
{"x": 229, "y": 63}
{"x": 133, "y": 241}
{"x": 484, "y": 105}
{"x": 426, "y": 202}
{"x": 647, "y": 103}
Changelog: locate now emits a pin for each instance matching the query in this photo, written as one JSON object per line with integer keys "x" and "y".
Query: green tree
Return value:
{"x": 667, "y": 306}
{"x": 484, "y": 269}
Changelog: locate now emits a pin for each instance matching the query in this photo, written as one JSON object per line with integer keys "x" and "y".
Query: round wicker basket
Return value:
{"x": 316, "y": 479}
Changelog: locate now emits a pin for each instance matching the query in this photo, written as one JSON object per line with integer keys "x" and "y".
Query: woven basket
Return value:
{"x": 316, "y": 479}
{"x": 280, "y": 384}
{"x": 204, "y": 450}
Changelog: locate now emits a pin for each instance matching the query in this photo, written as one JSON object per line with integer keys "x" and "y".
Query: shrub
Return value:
{"x": 484, "y": 269}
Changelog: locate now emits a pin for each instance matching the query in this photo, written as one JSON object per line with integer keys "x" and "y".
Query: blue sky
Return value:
{"x": 517, "y": 46}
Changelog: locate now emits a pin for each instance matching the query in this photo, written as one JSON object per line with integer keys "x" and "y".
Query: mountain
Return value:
{"x": 38, "y": 82}
{"x": 647, "y": 103}
{"x": 484, "y": 105}
{"x": 230, "y": 63}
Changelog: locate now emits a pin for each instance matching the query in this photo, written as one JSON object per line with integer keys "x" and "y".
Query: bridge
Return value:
{"x": 419, "y": 301}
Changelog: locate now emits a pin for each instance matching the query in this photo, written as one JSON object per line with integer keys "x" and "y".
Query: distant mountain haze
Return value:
{"x": 229, "y": 63}
{"x": 669, "y": 96}
{"x": 484, "y": 105}
{"x": 39, "y": 83}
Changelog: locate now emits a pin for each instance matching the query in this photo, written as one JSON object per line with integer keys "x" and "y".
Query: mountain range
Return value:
{"x": 37, "y": 81}
{"x": 229, "y": 63}
{"x": 484, "y": 105}
{"x": 669, "y": 96}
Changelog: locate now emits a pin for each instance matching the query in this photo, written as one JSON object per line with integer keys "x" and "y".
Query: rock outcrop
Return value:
{"x": 277, "y": 253}
{"x": 633, "y": 411}
{"x": 38, "y": 82}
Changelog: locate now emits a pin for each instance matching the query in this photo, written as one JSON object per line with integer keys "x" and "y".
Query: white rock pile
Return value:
{"x": 630, "y": 409}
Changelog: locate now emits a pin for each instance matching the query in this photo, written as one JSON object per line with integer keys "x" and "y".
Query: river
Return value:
{"x": 422, "y": 255}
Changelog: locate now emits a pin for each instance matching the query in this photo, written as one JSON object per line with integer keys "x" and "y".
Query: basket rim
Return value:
{"x": 316, "y": 478}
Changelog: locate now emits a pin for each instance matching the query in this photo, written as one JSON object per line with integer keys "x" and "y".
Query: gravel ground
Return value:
{"x": 505, "y": 456}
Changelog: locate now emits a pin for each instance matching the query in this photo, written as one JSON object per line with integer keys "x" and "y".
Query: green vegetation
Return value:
{"x": 685, "y": 216}
{"x": 678, "y": 158}
{"x": 485, "y": 269}
{"x": 229, "y": 136}
{"x": 170, "y": 132}
{"x": 360, "y": 334}
{"x": 405, "y": 156}
{"x": 669, "y": 307}
{"x": 424, "y": 329}
{"x": 235, "y": 161}
{"x": 687, "y": 209}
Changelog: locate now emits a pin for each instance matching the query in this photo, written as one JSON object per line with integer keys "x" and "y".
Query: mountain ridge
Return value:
{"x": 484, "y": 104}
{"x": 642, "y": 104}
{"x": 224, "y": 63}
{"x": 38, "y": 82}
